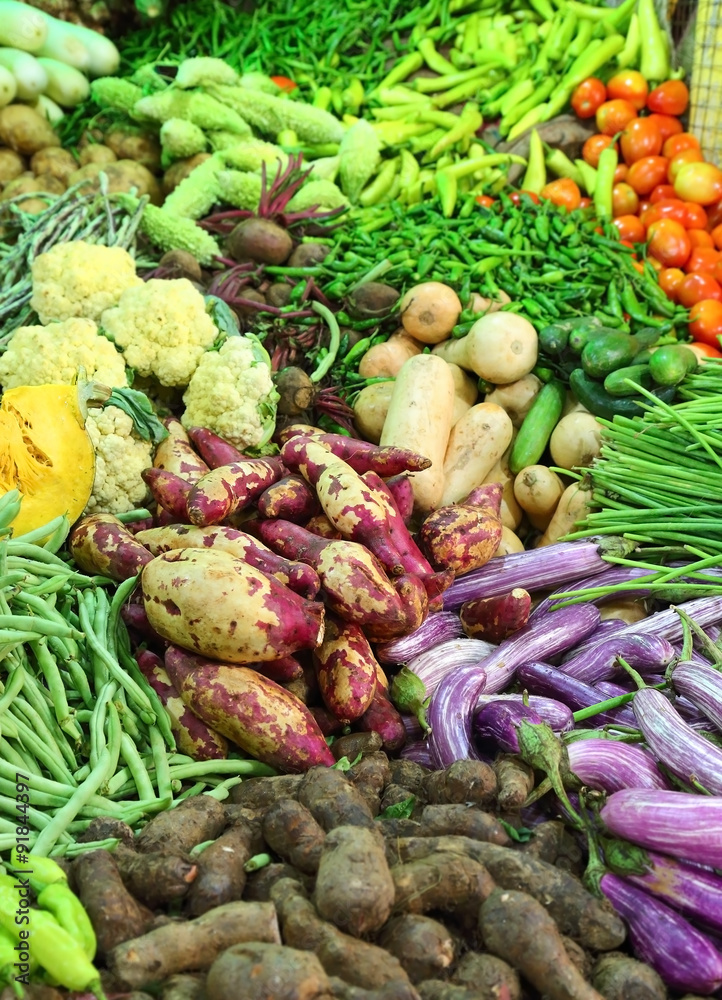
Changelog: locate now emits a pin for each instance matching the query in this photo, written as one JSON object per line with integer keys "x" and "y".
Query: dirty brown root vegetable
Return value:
{"x": 194, "y": 944}
{"x": 267, "y": 970}
{"x": 116, "y": 916}
{"x": 260, "y": 240}
{"x": 101, "y": 544}
{"x": 221, "y": 876}
{"x": 372, "y": 300}
{"x": 618, "y": 976}
{"x": 518, "y": 929}
{"x": 463, "y": 781}
{"x": 332, "y": 800}
{"x": 516, "y": 781}
{"x": 261, "y": 793}
{"x": 354, "y": 888}
{"x": 293, "y": 834}
{"x": 184, "y": 986}
{"x": 155, "y": 879}
{"x": 440, "y": 881}
{"x": 463, "y": 820}
{"x": 297, "y": 391}
{"x": 424, "y": 946}
{"x": 176, "y": 454}
{"x": 194, "y": 821}
{"x": 490, "y": 975}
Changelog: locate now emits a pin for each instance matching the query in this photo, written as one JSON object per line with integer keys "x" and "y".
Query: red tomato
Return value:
{"x": 700, "y": 238}
{"x": 678, "y": 142}
{"x": 717, "y": 271}
{"x": 630, "y": 228}
{"x": 716, "y": 235}
{"x": 699, "y": 182}
{"x": 585, "y": 202}
{"x": 640, "y": 138}
{"x": 563, "y": 192}
{"x": 661, "y": 191}
{"x": 285, "y": 83}
{"x": 484, "y": 200}
{"x": 669, "y": 98}
{"x": 625, "y": 200}
{"x": 592, "y": 148}
{"x": 696, "y": 287}
{"x": 680, "y": 160}
{"x": 704, "y": 351}
{"x": 704, "y": 259}
{"x": 643, "y": 206}
{"x": 588, "y": 96}
{"x": 696, "y": 216}
{"x": 645, "y": 174}
{"x": 705, "y": 322}
{"x": 613, "y": 116}
{"x": 620, "y": 173}
{"x": 668, "y": 208}
{"x": 515, "y": 196}
{"x": 670, "y": 278}
{"x": 668, "y": 126}
{"x": 629, "y": 85}
{"x": 668, "y": 242}
{"x": 714, "y": 215}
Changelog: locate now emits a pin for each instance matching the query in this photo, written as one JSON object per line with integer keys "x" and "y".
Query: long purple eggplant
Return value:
{"x": 435, "y": 629}
{"x": 498, "y": 722}
{"x": 609, "y": 765}
{"x": 615, "y": 575}
{"x": 535, "y": 569}
{"x": 419, "y": 752}
{"x": 693, "y": 891}
{"x": 604, "y": 630}
{"x": 555, "y": 713}
{"x": 433, "y": 665}
{"x": 704, "y": 610}
{"x": 682, "y": 955}
{"x": 702, "y": 685}
{"x": 682, "y": 750}
{"x": 541, "y": 678}
{"x": 646, "y": 653}
{"x": 608, "y": 689}
{"x": 678, "y": 823}
{"x": 452, "y": 705}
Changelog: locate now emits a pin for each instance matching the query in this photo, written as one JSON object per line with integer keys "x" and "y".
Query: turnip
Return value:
{"x": 430, "y": 311}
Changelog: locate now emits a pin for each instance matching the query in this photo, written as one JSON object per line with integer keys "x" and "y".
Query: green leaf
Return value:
{"x": 223, "y": 316}
{"x": 139, "y": 408}
{"x": 399, "y": 810}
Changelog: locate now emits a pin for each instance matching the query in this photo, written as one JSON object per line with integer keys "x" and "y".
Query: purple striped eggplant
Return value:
{"x": 555, "y": 713}
{"x": 434, "y": 664}
{"x": 535, "y": 569}
{"x": 608, "y": 689}
{"x": 541, "y": 678}
{"x": 605, "y": 629}
{"x": 418, "y": 751}
{"x": 680, "y": 954}
{"x": 687, "y": 754}
{"x": 693, "y": 891}
{"x": 452, "y": 706}
{"x": 436, "y": 629}
{"x": 704, "y": 610}
{"x": 609, "y": 765}
{"x": 678, "y": 823}
{"x": 701, "y": 683}
{"x": 498, "y": 722}
{"x": 646, "y": 653}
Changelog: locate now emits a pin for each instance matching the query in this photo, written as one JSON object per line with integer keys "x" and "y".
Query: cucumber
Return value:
{"x": 553, "y": 339}
{"x": 581, "y": 335}
{"x": 643, "y": 357}
{"x": 595, "y": 398}
{"x": 669, "y": 365}
{"x": 603, "y": 355}
{"x": 615, "y": 383}
{"x": 537, "y": 426}
{"x": 646, "y": 337}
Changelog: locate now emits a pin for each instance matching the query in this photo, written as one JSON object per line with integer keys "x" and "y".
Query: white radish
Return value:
{"x": 30, "y": 77}
{"x": 21, "y": 26}
{"x": 8, "y": 87}
{"x": 66, "y": 86}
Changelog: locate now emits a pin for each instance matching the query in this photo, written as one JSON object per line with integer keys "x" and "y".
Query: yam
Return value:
{"x": 332, "y": 800}
{"x": 438, "y": 989}
{"x": 354, "y": 888}
{"x": 409, "y": 774}
{"x": 518, "y": 929}
{"x": 424, "y": 946}
{"x": 116, "y": 916}
{"x": 155, "y": 879}
{"x": 176, "y": 831}
{"x": 266, "y": 970}
{"x": 183, "y": 987}
{"x": 464, "y": 821}
{"x": 221, "y": 876}
{"x": 353, "y": 745}
{"x": 516, "y": 781}
{"x": 192, "y": 945}
{"x": 106, "y": 828}
{"x": 294, "y": 835}
{"x": 260, "y": 883}
{"x": 260, "y": 793}
{"x": 618, "y": 976}
{"x": 470, "y": 781}
{"x": 441, "y": 881}
{"x": 490, "y": 975}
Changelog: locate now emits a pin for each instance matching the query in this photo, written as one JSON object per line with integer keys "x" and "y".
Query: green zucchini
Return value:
{"x": 595, "y": 398}
{"x": 537, "y": 426}
{"x": 603, "y": 355}
{"x": 669, "y": 365}
{"x": 615, "y": 382}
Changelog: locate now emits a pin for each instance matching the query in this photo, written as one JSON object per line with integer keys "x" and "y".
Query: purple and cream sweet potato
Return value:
{"x": 176, "y": 454}
{"x": 382, "y": 717}
{"x": 403, "y": 493}
{"x": 320, "y": 525}
{"x": 283, "y": 670}
{"x": 169, "y": 491}
{"x": 221, "y": 538}
{"x": 496, "y": 618}
{"x": 254, "y": 712}
{"x": 362, "y": 456}
{"x": 221, "y": 876}
{"x": 229, "y": 488}
{"x": 213, "y": 449}
{"x": 345, "y": 670}
{"x": 464, "y": 536}
{"x": 290, "y": 498}
{"x": 136, "y": 620}
{"x": 354, "y": 888}
{"x": 412, "y": 558}
{"x": 101, "y": 544}
{"x": 217, "y": 605}
{"x": 293, "y": 834}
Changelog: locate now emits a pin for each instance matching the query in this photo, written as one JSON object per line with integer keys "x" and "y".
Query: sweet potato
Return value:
{"x": 464, "y": 821}
{"x": 515, "y": 779}
{"x": 221, "y": 876}
{"x": 176, "y": 831}
{"x": 290, "y": 498}
{"x": 354, "y": 888}
{"x": 332, "y": 800}
{"x": 403, "y": 494}
{"x": 383, "y": 718}
{"x": 230, "y": 488}
{"x": 327, "y": 723}
{"x": 213, "y": 449}
{"x": 496, "y": 618}
{"x": 321, "y": 526}
{"x": 169, "y": 491}
{"x": 463, "y": 781}
{"x": 297, "y": 575}
{"x": 193, "y": 944}
{"x": 358, "y": 962}
{"x": 100, "y": 543}
{"x": 345, "y": 670}
{"x": 266, "y": 970}
{"x": 412, "y": 558}
{"x": 490, "y": 975}
{"x": 463, "y": 536}
{"x": 518, "y": 929}
{"x": 250, "y": 710}
{"x": 362, "y": 456}
{"x": 116, "y": 916}
{"x": 618, "y": 976}
{"x": 155, "y": 879}
{"x": 219, "y": 606}
{"x": 176, "y": 454}
{"x": 424, "y": 947}
{"x": 293, "y": 834}
{"x": 441, "y": 881}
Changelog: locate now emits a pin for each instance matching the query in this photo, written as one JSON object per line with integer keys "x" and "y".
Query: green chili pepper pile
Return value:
{"x": 77, "y": 717}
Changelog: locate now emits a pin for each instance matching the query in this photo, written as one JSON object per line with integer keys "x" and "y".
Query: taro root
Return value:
{"x": 372, "y": 300}
{"x": 260, "y": 240}
{"x": 308, "y": 254}
{"x": 297, "y": 391}
{"x": 279, "y": 294}
{"x": 181, "y": 264}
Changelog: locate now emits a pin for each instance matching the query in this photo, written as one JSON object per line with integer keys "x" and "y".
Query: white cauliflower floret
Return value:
{"x": 232, "y": 393}
{"x": 163, "y": 329}
{"x": 80, "y": 279}
{"x": 39, "y": 355}
{"x": 120, "y": 457}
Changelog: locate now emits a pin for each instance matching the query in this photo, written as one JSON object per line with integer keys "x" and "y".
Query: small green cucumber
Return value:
{"x": 669, "y": 365}
{"x": 537, "y": 426}
{"x": 581, "y": 335}
{"x": 595, "y": 398}
{"x": 603, "y": 355}
{"x": 615, "y": 382}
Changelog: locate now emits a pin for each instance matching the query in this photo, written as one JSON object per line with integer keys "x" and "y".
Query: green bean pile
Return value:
{"x": 77, "y": 717}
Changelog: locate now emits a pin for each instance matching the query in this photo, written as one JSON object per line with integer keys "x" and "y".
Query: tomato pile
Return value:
{"x": 665, "y": 194}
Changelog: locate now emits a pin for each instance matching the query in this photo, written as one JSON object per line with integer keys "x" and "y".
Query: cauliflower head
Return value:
{"x": 80, "y": 279}
{"x": 120, "y": 458}
{"x": 38, "y": 355}
{"x": 232, "y": 393}
{"x": 163, "y": 329}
